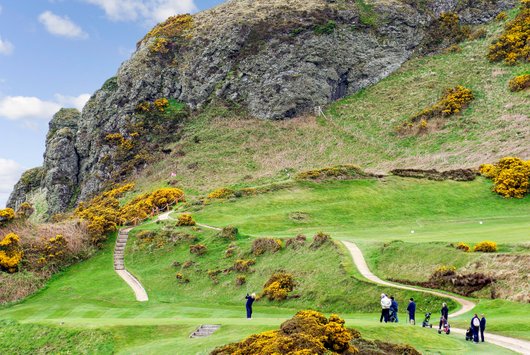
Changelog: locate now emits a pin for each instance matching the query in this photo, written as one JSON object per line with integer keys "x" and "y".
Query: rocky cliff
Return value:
{"x": 275, "y": 59}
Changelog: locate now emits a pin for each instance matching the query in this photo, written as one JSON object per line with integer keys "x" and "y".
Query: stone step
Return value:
{"x": 204, "y": 330}
{"x": 121, "y": 244}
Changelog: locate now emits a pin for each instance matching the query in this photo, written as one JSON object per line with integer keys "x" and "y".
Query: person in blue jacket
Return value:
{"x": 475, "y": 325}
{"x": 482, "y": 326}
{"x": 394, "y": 309}
{"x": 411, "y": 308}
{"x": 250, "y": 299}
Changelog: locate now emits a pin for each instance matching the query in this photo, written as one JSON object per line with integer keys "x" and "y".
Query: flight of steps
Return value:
{"x": 205, "y": 330}
{"x": 119, "y": 249}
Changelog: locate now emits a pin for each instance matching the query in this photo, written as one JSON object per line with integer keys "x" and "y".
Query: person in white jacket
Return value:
{"x": 385, "y": 308}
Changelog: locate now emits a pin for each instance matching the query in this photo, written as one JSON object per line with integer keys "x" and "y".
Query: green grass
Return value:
{"x": 379, "y": 209}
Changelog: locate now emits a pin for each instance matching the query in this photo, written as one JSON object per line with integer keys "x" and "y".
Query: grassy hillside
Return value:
{"x": 221, "y": 146}
{"x": 379, "y": 209}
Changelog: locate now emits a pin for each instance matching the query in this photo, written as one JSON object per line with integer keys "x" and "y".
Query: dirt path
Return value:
{"x": 517, "y": 345}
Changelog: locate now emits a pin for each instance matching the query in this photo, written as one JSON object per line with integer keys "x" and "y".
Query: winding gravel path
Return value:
{"x": 517, "y": 345}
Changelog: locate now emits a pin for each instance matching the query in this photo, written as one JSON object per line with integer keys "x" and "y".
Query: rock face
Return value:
{"x": 277, "y": 59}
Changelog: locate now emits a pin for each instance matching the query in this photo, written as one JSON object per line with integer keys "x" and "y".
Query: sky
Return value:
{"x": 56, "y": 53}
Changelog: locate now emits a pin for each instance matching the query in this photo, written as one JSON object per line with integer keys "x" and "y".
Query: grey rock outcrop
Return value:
{"x": 61, "y": 161}
{"x": 276, "y": 58}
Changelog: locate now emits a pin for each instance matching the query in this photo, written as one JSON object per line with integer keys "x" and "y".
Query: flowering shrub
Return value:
{"x": 501, "y": 16}
{"x": 161, "y": 104}
{"x": 119, "y": 140}
{"x": 443, "y": 270}
{"x": 174, "y": 26}
{"x": 263, "y": 245}
{"x": 278, "y": 286}
{"x": 488, "y": 170}
{"x": 297, "y": 242}
{"x": 160, "y": 45}
{"x": 510, "y": 175}
{"x": 222, "y": 192}
{"x": 185, "y": 219}
{"x": 520, "y": 83}
{"x": 54, "y": 252}
{"x": 25, "y": 210}
{"x": 198, "y": 249}
{"x": 512, "y": 45}
{"x": 308, "y": 332}
{"x": 339, "y": 172}
{"x": 242, "y": 265}
{"x": 6, "y": 215}
{"x": 144, "y": 106}
{"x": 454, "y": 100}
{"x": 10, "y": 252}
{"x": 463, "y": 246}
{"x": 241, "y": 280}
{"x": 181, "y": 278}
{"x": 319, "y": 239}
{"x": 486, "y": 247}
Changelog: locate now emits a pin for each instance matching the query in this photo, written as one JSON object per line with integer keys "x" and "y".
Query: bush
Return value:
{"x": 229, "y": 233}
{"x": 181, "y": 278}
{"x": 6, "y": 215}
{"x": 242, "y": 265}
{"x": 297, "y": 242}
{"x": 278, "y": 286}
{"x": 10, "y": 252}
{"x": 512, "y": 45}
{"x": 241, "y": 280}
{"x": 308, "y": 332}
{"x": 488, "y": 170}
{"x": 501, "y": 16}
{"x": 185, "y": 219}
{"x": 512, "y": 179}
{"x": 222, "y": 192}
{"x": 54, "y": 252}
{"x": 263, "y": 245}
{"x": 519, "y": 83}
{"x": 442, "y": 271}
{"x": 463, "y": 246}
{"x": 319, "y": 239}
{"x": 174, "y": 27}
{"x": 339, "y": 172}
{"x": 486, "y": 247}
{"x": 231, "y": 251}
{"x": 453, "y": 101}
{"x": 198, "y": 249}
{"x": 325, "y": 29}
{"x": 25, "y": 210}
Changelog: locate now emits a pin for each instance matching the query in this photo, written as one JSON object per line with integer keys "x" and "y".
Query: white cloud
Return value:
{"x": 77, "y": 102}
{"x": 6, "y": 47}
{"x": 61, "y": 26}
{"x": 150, "y": 11}
{"x": 10, "y": 172}
{"x": 27, "y": 107}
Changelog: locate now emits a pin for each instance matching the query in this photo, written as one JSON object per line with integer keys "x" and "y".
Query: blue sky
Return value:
{"x": 55, "y": 53}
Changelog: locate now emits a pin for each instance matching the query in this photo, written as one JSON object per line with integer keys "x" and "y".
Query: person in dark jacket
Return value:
{"x": 445, "y": 315}
{"x": 394, "y": 309}
{"x": 250, "y": 299}
{"x": 482, "y": 326}
{"x": 475, "y": 325}
{"x": 411, "y": 308}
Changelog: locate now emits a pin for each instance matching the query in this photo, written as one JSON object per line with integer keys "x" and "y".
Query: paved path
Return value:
{"x": 517, "y": 345}
{"x": 119, "y": 267}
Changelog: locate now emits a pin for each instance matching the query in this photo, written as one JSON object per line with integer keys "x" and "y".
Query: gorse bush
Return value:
{"x": 319, "y": 239}
{"x": 222, "y": 192}
{"x": 463, "y": 246}
{"x": 453, "y": 101}
{"x": 198, "y": 249}
{"x": 25, "y": 210}
{"x": 486, "y": 247}
{"x": 512, "y": 46}
{"x": 501, "y": 16}
{"x": 185, "y": 219}
{"x": 10, "y": 252}
{"x": 264, "y": 245}
{"x": 103, "y": 213}
{"x": 443, "y": 270}
{"x": 510, "y": 175}
{"x": 243, "y": 265}
{"x": 172, "y": 28}
{"x": 308, "y": 332}
{"x": 6, "y": 215}
{"x": 339, "y": 172}
{"x": 278, "y": 287}
{"x": 520, "y": 83}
